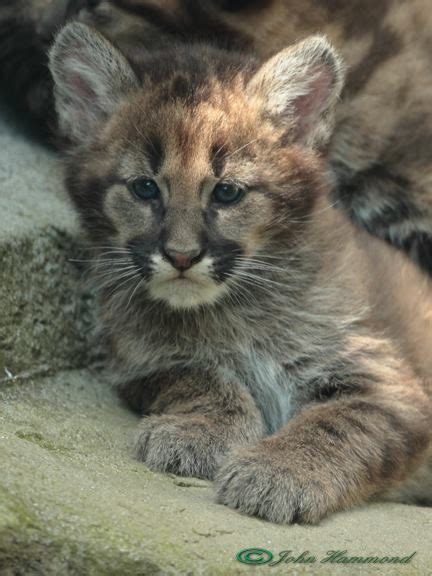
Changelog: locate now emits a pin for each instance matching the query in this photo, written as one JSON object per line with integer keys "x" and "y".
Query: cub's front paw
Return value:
{"x": 267, "y": 485}
{"x": 187, "y": 445}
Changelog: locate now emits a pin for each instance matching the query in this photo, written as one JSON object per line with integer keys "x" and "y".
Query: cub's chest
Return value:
{"x": 272, "y": 386}
{"x": 276, "y": 389}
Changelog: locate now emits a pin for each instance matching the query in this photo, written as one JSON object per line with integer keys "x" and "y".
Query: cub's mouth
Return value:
{"x": 185, "y": 291}
{"x": 181, "y": 279}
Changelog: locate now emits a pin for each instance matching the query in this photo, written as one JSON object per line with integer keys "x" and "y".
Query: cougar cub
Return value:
{"x": 270, "y": 344}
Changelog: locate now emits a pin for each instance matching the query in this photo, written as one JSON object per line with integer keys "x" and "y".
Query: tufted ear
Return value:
{"x": 299, "y": 87}
{"x": 91, "y": 77}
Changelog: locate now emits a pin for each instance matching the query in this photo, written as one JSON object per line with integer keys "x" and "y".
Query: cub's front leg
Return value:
{"x": 331, "y": 456}
{"x": 194, "y": 419}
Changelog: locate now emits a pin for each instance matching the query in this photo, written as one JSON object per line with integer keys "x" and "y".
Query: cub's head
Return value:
{"x": 191, "y": 167}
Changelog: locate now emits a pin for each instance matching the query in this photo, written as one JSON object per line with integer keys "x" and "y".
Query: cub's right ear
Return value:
{"x": 91, "y": 77}
{"x": 299, "y": 88}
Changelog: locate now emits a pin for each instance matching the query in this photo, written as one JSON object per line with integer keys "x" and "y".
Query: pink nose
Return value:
{"x": 183, "y": 260}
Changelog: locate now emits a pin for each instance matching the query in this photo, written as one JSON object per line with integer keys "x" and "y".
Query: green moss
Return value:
{"x": 46, "y": 558}
{"x": 40, "y": 440}
{"x": 46, "y": 317}
{"x": 14, "y": 514}
{"x": 30, "y": 547}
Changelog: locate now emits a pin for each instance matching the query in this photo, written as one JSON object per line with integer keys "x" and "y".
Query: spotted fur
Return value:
{"x": 291, "y": 360}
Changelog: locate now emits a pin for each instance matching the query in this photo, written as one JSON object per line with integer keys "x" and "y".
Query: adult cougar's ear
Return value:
{"x": 91, "y": 78}
{"x": 299, "y": 87}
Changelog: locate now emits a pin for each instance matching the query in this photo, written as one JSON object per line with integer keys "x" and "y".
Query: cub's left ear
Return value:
{"x": 91, "y": 78}
{"x": 299, "y": 87}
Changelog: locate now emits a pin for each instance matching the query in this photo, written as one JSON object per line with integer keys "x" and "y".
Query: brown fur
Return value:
{"x": 293, "y": 366}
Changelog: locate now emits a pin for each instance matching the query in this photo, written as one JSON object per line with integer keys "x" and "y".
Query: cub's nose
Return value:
{"x": 183, "y": 260}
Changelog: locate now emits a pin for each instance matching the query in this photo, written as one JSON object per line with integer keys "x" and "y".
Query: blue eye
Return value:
{"x": 145, "y": 189}
{"x": 224, "y": 193}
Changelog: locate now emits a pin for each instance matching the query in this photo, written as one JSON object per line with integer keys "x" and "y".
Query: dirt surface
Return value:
{"x": 74, "y": 501}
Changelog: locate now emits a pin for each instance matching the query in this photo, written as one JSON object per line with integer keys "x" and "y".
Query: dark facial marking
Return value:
{"x": 88, "y": 198}
{"x": 224, "y": 253}
{"x": 155, "y": 153}
{"x": 217, "y": 156}
{"x": 141, "y": 250}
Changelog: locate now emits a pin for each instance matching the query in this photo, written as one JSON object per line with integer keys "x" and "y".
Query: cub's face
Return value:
{"x": 197, "y": 192}
{"x": 187, "y": 185}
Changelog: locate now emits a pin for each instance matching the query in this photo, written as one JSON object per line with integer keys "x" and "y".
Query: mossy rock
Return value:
{"x": 46, "y": 317}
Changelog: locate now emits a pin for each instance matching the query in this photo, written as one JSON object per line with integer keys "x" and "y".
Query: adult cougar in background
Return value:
{"x": 270, "y": 344}
{"x": 381, "y": 149}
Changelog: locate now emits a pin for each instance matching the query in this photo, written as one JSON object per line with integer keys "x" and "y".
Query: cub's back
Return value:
{"x": 369, "y": 278}
{"x": 401, "y": 299}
